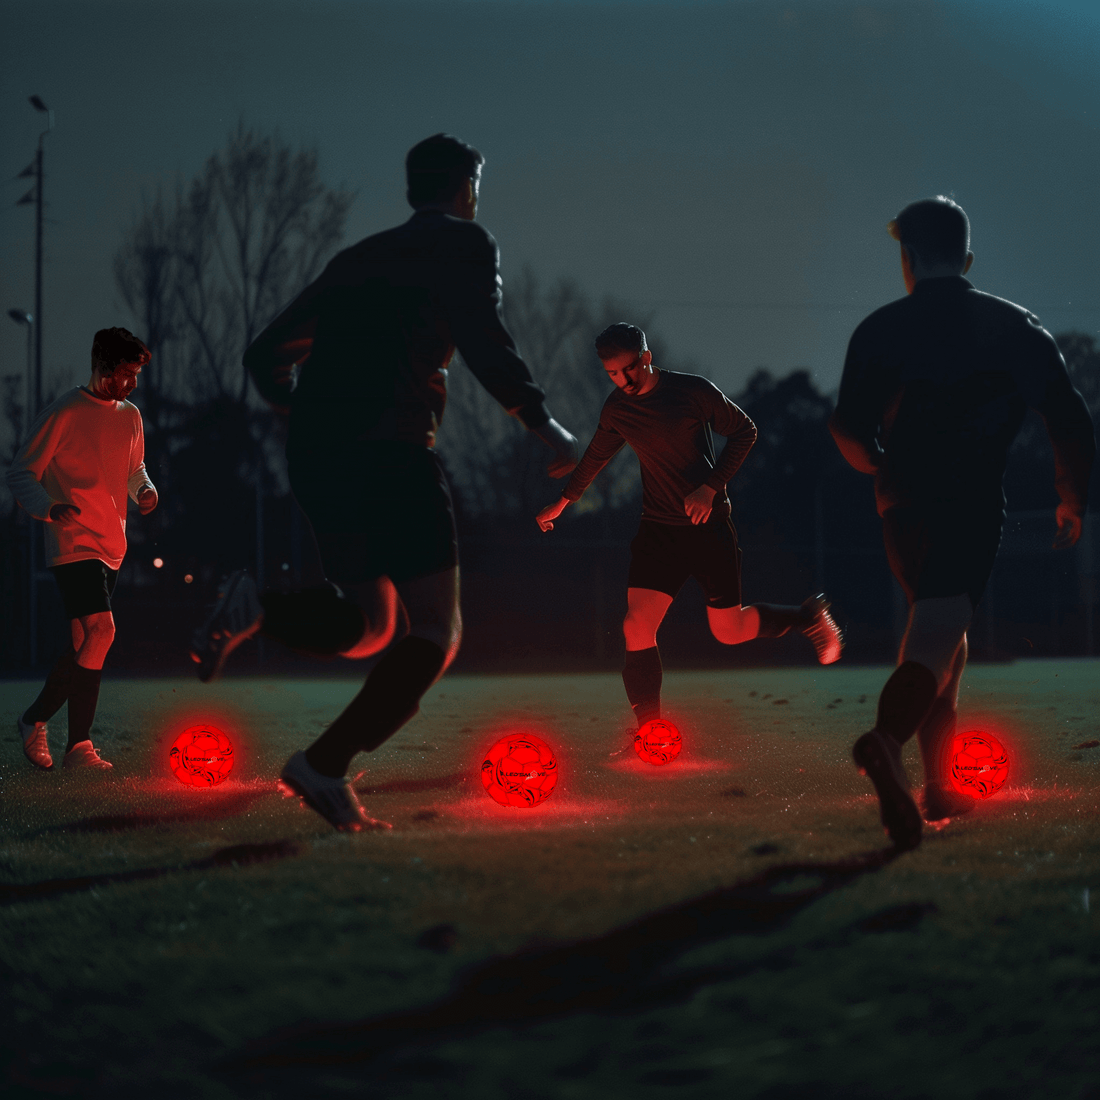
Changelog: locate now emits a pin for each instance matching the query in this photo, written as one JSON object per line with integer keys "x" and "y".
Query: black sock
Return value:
{"x": 906, "y": 700}
{"x": 55, "y": 691}
{"x": 642, "y": 676}
{"x": 319, "y": 621}
{"x": 389, "y": 698}
{"x": 776, "y": 619}
{"x": 83, "y": 697}
{"x": 934, "y": 737}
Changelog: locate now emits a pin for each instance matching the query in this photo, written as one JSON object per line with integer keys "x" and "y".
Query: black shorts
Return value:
{"x": 664, "y": 555}
{"x": 378, "y": 509}
{"x": 86, "y": 586}
{"x": 942, "y": 552}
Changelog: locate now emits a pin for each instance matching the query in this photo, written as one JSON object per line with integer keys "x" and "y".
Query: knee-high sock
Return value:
{"x": 318, "y": 621}
{"x": 55, "y": 691}
{"x": 642, "y": 676}
{"x": 83, "y": 697}
{"x": 389, "y": 698}
{"x": 934, "y": 737}
{"x": 906, "y": 700}
{"x": 776, "y": 619}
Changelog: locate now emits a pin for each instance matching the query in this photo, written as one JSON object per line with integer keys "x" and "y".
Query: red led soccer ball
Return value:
{"x": 520, "y": 770}
{"x": 658, "y": 742}
{"x": 978, "y": 764}
{"x": 201, "y": 756}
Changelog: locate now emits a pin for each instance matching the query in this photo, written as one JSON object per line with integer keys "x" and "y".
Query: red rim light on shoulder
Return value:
{"x": 202, "y": 756}
{"x": 520, "y": 770}
{"x": 658, "y": 742}
{"x": 978, "y": 764}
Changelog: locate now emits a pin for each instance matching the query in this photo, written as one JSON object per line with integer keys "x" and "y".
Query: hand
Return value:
{"x": 568, "y": 451}
{"x": 700, "y": 504}
{"x": 147, "y": 500}
{"x": 545, "y": 518}
{"x": 1069, "y": 527}
{"x": 62, "y": 513}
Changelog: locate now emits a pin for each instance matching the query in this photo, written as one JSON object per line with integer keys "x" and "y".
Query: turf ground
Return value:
{"x": 731, "y": 925}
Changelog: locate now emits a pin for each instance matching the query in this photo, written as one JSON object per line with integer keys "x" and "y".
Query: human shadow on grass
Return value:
{"x": 236, "y": 855}
{"x": 223, "y": 805}
{"x": 624, "y": 971}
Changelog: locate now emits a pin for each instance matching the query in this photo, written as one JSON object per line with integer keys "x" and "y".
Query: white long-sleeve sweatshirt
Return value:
{"x": 89, "y": 452}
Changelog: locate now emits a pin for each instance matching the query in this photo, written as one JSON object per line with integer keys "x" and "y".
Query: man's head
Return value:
{"x": 117, "y": 358}
{"x": 443, "y": 173}
{"x": 626, "y": 358}
{"x": 935, "y": 239}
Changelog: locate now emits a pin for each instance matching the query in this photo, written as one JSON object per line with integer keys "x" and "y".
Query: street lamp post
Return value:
{"x": 22, "y": 317}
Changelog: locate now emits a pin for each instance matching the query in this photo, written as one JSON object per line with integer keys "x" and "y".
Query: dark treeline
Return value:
{"x": 202, "y": 270}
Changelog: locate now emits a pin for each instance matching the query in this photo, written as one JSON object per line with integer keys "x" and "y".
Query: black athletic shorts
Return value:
{"x": 664, "y": 555}
{"x": 86, "y": 586}
{"x": 378, "y": 509}
{"x": 942, "y": 552}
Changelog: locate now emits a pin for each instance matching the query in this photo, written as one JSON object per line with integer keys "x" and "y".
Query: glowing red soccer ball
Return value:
{"x": 520, "y": 770}
{"x": 658, "y": 742}
{"x": 201, "y": 756}
{"x": 978, "y": 765}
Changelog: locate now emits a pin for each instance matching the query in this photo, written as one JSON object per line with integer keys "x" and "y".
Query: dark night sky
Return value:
{"x": 730, "y": 165}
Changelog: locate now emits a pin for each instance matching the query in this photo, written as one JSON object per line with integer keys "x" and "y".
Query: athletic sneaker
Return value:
{"x": 85, "y": 755}
{"x": 236, "y": 616}
{"x": 941, "y": 802}
{"x": 879, "y": 758}
{"x": 822, "y": 629}
{"x": 36, "y": 746}
{"x": 332, "y": 798}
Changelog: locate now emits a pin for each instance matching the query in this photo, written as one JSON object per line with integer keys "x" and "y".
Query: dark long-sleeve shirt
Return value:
{"x": 669, "y": 429}
{"x": 935, "y": 389}
{"x": 362, "y": 352}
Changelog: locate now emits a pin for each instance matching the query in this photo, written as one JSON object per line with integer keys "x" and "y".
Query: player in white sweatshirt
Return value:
{"x": 85, "y": 456}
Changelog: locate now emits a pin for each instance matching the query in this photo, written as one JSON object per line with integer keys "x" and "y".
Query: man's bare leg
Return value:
{"x": 642, "y": 671}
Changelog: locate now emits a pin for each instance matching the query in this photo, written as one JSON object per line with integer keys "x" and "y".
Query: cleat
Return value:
{"x": 36, "y": 745}
{"x": 332, "y": 798}
{"x": 236, "y": 616}
{"x": 84, "y": 755}
{"x": 941, "y": 803}
{"x": 822, "y": 629}
{"x": 879, "y": 758}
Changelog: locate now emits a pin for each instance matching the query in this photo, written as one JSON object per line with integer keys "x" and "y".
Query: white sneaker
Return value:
{"x": 84, "y": 755}
{"x": 332, "y": 798}
{"x": 36, "y": 746}
{"x": 822, "y": 629}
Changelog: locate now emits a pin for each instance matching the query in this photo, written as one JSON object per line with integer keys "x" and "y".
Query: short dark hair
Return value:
{"x": 112, "y": 347}
{"x": 620, "y": 337}
{"x": 437, "y": 167}
{"x": 936, "y": 230}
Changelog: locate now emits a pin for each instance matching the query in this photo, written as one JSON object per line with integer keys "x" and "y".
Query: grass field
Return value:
{"x": 731, "y": 925}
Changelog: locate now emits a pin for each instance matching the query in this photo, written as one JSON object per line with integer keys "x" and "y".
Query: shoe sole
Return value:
{"x": 290, "y": 788}
{"x": 209, "y": 670}
{"x": 899, "y": 812}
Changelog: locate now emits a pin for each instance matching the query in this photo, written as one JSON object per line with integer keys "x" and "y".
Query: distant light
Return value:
{"x": 158, "y": 563}
{"x": 286, "y": 566}
{"x": 187, "y": 578}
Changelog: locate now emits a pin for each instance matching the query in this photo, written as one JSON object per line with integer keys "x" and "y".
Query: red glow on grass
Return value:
{"x": 658, "y": 742}
{"x": 520, "y": 770}
{"x": 978, "y": 764}
{"x": 202, "y": 756}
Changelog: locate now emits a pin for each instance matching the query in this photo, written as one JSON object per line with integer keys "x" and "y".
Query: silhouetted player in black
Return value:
{"x": 935, "y": 388}
{"x": 359, "y": 361}
{"x": 667, "y": 418}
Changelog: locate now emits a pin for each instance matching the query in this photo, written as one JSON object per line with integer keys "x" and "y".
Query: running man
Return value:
{"x": 359, "y": 361}
{"x": 934, "y": 390}
{"x": 85, "y": 456}
{"x": 667, "y": 418}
